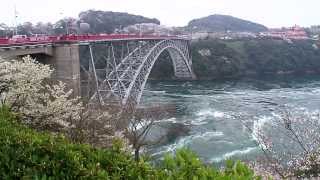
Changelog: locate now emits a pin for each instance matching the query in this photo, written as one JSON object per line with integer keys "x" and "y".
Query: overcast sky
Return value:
{"x": 272, "y": 13}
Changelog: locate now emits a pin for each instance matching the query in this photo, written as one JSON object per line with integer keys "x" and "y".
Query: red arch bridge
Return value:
{"x": 108, "y": 69}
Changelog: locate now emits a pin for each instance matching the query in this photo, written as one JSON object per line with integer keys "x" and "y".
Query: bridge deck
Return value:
{"x": 82, "y": 39}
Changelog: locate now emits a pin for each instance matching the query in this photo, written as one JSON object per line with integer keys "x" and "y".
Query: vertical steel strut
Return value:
{"x": 125, "y": 78}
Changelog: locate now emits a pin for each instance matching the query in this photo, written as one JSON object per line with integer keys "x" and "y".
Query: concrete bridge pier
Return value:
{"x": 64, "y": 58}
{"x": 66, "y": 62}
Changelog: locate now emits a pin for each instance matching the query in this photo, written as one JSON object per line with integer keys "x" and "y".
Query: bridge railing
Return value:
{"x": 111, "y": 37}
{"x": 4, "y": 40}
{"x": 78, "y": 38}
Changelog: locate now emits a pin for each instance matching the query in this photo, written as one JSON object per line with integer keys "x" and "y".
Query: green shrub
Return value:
{"x": 27, "y": 154}
{"x": 186, "y": 165}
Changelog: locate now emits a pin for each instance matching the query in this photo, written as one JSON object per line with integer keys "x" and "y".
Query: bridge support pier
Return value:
{"x": 64, "y": 58}
{"x": 66, "y": 62}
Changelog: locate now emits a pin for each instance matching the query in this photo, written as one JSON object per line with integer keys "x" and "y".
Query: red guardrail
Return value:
{"x": 4, "y": 40}
{"x": 75, "y": 38}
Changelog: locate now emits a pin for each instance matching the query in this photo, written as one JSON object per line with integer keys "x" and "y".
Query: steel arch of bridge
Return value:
{"x": 124, "y": 78}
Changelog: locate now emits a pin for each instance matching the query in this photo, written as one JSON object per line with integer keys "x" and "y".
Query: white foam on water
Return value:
{"x": 275, "y": 115}
{"x": 208, "y": 135}
{"x": 239, "y": 152}
{"x": 218, "y": 114}
{"x": 213, "y": 113}
{"x": 203, "y": 116}
{"x": 316, "y": 91}
{"x": 228, "y": 155}
{"x": 170, "y": 85}
{"x": 172, "y": 147}
{"x": 205, "y": 92}
{"x": 186, "y": 95}
{"x": 224, "y": 142}
{"x": 199, "y": 121}
{"x": 157, "y": 92}
{"x": 182, "y": 142}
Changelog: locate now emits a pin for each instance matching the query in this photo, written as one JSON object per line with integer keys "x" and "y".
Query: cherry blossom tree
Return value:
{"x": 290, "y": 141}
{"x": 26, "y": 88}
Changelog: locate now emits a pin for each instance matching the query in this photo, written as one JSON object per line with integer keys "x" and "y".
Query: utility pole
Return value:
{"x": 67, "y": 27}
{"x": 65, "y": 20}
{"x": 15, "y": 31}
{"x": 120, "y": 30}
{"x": 140, "y": 33}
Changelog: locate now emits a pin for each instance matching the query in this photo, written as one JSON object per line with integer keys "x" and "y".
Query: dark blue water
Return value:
{"x": 211, "y": 110}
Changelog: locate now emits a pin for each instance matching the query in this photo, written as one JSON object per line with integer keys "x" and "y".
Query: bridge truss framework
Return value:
{"x": 115, "y": 72}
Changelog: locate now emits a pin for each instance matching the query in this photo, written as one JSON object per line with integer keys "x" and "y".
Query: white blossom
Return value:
{"x": 26, "y": 89}
{"x": 292, "y": 141}
{"x": 39, "y": 103}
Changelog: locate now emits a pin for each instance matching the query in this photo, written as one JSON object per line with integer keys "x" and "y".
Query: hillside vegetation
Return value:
{"x": 222, "y": 23}
{"x": 98, "y": 22}
{"x": 108, "y": 21}
{"x": 225, "y": 59}
{"x": 222, "y": 59}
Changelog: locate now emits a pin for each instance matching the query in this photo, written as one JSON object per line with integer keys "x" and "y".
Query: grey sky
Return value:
{"x": 272, "y": 13}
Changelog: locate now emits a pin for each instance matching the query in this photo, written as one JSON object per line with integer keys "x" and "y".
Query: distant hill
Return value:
{"x": 219, "y": 23}
{"x": 97, "y": 22}
{"x": 108, "y": 21}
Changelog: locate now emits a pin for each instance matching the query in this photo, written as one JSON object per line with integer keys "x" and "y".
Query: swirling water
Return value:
{"x": 211, "y": 111}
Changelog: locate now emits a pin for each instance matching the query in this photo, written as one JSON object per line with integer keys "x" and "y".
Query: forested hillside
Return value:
{"x": 221, "y": 59}
{"x": 221, "y": 23}
{"x": 98, "y": 22}
{"x": 108, "y": 21}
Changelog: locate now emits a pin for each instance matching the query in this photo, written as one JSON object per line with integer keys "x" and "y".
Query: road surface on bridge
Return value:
{"x": 9, "y": 42}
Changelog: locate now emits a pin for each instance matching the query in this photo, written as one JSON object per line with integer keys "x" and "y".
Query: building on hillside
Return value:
{"x": 199, "y": 35}
{"x": 296, "y": 32}
{"x": 243, "y": 35}
{"x": 150, "y": 28}
{"x": 223, "y": 35}
{"x": 314, "y": 29}
{"x": 292, "y": 33}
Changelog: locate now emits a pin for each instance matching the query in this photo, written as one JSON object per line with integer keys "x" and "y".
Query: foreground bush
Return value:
{"x": 186, "y": 165}
{"x": 27, "y": 154}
